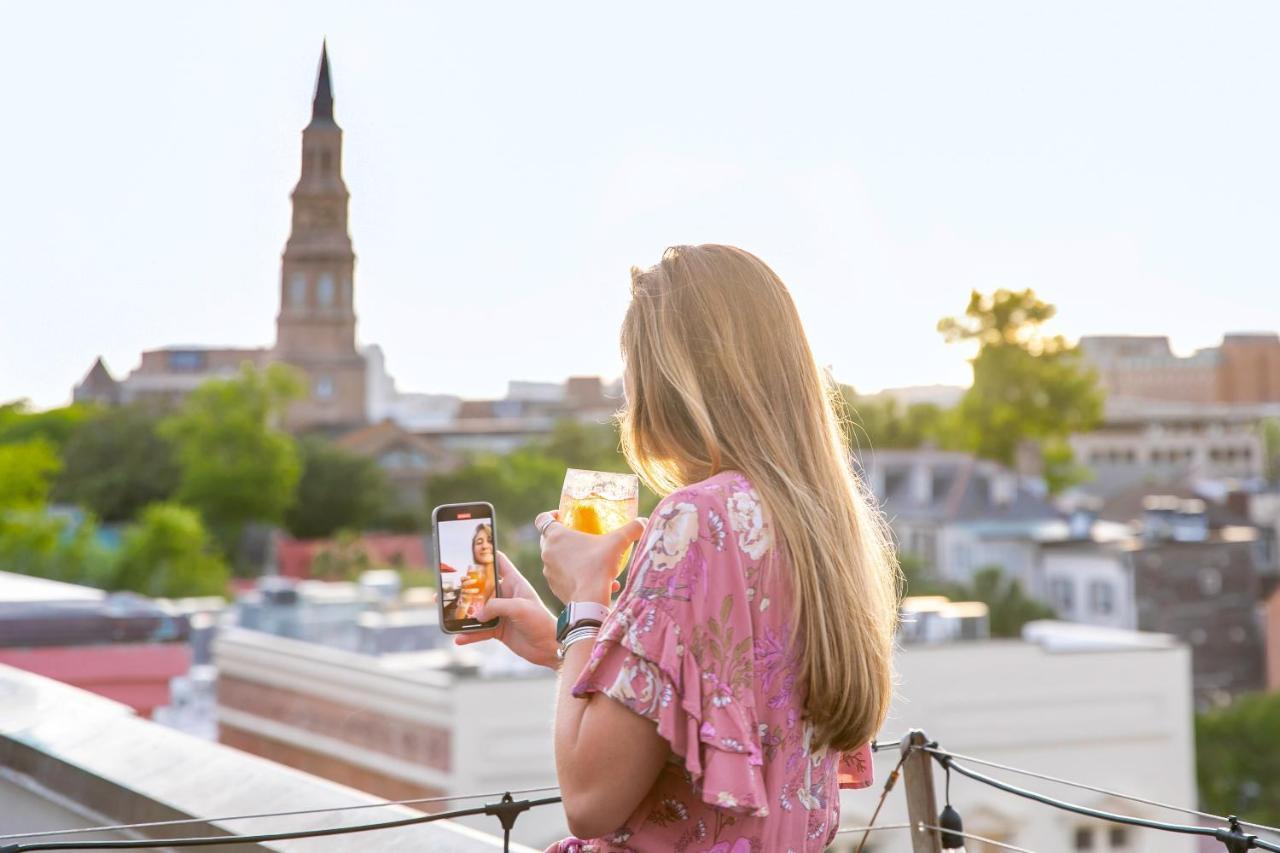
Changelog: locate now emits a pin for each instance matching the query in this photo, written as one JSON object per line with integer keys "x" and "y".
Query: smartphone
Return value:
{"x": 466, "y": 564}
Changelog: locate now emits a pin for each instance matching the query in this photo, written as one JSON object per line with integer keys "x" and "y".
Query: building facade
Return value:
{"x": 1243, "y": 369}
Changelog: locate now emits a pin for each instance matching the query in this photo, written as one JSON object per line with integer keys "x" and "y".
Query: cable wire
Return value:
{"x": 884, "y": 795}
{"x": 847, "y": 829}
{"x": 209, "y": 841}
{"x": 188, "y": 821}
{"x": 1046, "y": 777}
{"x": 1223, "y": 835}
{"x": 1001, "y": 844}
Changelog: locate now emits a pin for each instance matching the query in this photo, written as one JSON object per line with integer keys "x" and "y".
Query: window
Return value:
{"x": 1118, "y": 837}
{"x": 324, "y": 388}
{"x": 186, "y": 360}
{"x": 298, "y": 290}
{"x": 324, "y": 290}
{"x": 1210, "y": 581}
{"x": 1102, "y": 598}
{"x": 1084, "y": 838}
{"x": 1062, "y": 594}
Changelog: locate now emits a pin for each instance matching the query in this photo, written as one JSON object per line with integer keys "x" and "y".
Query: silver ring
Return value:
{"x": 542, "y": 531}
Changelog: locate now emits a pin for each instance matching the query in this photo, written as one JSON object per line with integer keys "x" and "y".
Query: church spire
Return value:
{"x": 322, "y": 105}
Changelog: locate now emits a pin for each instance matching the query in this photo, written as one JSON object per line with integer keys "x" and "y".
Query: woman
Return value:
{"x": 478, "y": 582}
{"x": 734, "y": 686}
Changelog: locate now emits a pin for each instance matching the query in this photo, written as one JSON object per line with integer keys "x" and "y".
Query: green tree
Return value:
{"x": 1027, "y": 386}
{"x": 56, "y": 426}
{"x": 32, "y": 542}
{"x": 1238, "y": 758}
{"x": 117, "y": 462}
{"x": 1271, "y": 449}
{"x": 1008, "y": 606}
{"x": 237, "y": 466}
{"x": 27, "y": 469}
{"x": 338, "y": 490}
{"x": 881, "y": 423}
{"x": 168, "y": 553}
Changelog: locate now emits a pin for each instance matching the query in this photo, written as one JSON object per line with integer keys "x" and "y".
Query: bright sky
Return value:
{"x": 509, "y": 161}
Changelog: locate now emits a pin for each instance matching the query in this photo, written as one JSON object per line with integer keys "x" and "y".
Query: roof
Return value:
{"x": 1126, "y": 505}
{"x": 322, "y": 104}
{"x": 375, "y": 439}
{"x": 962, "y": 487}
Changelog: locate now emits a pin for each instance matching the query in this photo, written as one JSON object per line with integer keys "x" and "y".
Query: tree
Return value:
{"x": 1238, "y": 758}
{"x": 168, "y": 553}
{"x": 1027, "y": 386}
{"x": 27, "y": 470}
{"x": 881, "y": 423}
{"x": 117, "y": 462}
{"x": 1007, "y": 606}
{"x": 56, "y": 426}
{"x": 32, "y": 542}
{"x": 236, "y": 465}
{"x": 338, "y": 490}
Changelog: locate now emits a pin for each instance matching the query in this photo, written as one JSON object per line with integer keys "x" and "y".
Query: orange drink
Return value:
{"x": 599, "y": 502}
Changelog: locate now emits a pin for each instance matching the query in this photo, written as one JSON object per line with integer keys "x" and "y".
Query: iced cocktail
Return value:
{"x": 599, "y": 502}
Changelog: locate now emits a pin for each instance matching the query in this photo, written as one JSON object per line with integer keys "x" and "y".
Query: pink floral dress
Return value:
{"x": 698, "y": 642}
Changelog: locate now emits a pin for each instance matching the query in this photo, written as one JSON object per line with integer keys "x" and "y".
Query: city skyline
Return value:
{"x": 501, "y": 185}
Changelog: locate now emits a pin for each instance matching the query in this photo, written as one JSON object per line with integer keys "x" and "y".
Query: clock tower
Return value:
{"x": 316, "y": 326}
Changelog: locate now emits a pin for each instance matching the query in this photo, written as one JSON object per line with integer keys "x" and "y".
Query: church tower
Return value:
{"x": 316, "y": 326}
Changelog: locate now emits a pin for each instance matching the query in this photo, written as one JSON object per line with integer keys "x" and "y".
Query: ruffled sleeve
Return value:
{"x": 677, "y": 650}
{"x": 856, "y": 768}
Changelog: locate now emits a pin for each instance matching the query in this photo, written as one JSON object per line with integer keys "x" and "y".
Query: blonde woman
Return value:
{"x": 722, "y": 701}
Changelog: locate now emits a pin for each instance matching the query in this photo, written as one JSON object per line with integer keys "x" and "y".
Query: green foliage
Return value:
{"x": 881, "y": 423}
{"x": 1271, "y": 449}
{"x": 237, "y": 466}
{"x": 27, "y": 469}
{"x": 1027, "y": 386}
{"x": 168, "y": 553}
{"x": 343, "y": 560}
{"x": 1238, "y": 758}
{"x": 117, "y": 462}
{"x": 19, "y": 424}
{"x": 32, "y": 542}
{"x": 1008, "y": 607}
{"x": 337, "y": 490}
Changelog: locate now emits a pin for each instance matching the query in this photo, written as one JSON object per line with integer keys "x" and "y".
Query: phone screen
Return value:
{"x": 466, "y": 562}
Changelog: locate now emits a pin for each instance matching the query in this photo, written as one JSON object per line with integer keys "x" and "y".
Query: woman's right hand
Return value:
{"x": 526, "y": 626}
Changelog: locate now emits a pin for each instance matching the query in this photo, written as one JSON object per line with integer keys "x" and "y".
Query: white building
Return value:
{"x": 1112, "y": 708}
{"x": 1108, "y": 708}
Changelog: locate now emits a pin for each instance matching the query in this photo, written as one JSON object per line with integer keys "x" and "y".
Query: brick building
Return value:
{"x": 1244, "y": 369}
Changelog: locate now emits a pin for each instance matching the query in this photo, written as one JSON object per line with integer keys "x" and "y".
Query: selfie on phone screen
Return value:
{"x": 467, "y": 572}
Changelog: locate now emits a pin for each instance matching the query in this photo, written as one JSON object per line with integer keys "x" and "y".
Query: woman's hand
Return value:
{"x": 582, "y": 566}
{"x": 526, "y": 626}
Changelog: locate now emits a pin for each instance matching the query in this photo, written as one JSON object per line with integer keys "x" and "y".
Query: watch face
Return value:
{"x": 562, "y": 623}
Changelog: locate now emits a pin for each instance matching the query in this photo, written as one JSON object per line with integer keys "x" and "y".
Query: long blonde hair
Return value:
{"x": 720, "y": 377}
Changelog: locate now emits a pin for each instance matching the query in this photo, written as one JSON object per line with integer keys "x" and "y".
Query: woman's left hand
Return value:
{"x": 582, "y": 566}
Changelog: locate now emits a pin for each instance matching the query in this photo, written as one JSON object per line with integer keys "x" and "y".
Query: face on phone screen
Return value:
{"x": 468, "y": 573}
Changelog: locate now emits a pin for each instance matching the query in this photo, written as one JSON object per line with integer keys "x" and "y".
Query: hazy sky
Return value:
{"x": 509, "y": 161}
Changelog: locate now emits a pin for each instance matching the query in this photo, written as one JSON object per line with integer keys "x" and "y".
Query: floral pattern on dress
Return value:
{"x": 699, "y": 642}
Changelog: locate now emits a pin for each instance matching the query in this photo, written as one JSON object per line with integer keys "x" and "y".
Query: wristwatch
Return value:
{"x": 577, "y": 614}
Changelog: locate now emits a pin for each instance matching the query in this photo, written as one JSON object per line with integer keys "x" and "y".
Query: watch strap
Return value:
{"x": 577, "y": 613}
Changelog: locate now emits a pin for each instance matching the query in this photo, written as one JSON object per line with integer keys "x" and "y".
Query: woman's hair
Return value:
{"x": 482, "y": 527}
{"x": 721, "y": 377}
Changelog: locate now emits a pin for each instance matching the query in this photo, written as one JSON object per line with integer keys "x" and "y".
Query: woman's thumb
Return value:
{"x": 631, "y": 531}
{"x": 495, "y": 607}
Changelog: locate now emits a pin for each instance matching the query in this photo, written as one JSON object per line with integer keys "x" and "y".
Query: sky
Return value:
{"x": 509, "y": 162}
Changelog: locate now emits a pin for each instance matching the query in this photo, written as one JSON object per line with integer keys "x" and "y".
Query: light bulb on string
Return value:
{"x": 950, "y": 820}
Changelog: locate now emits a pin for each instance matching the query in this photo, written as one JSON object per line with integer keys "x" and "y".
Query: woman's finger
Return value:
{"x": 474, "y": 637}
{"x": 629, "y": 532}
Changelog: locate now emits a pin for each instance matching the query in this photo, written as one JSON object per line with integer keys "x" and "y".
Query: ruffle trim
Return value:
{"x": 646, "y": 665}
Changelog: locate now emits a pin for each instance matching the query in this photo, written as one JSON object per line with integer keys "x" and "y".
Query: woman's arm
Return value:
{"x": 607, "y": 756}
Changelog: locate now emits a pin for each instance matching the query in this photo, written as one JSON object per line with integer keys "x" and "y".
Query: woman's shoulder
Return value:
{"x": 724, "y": 502}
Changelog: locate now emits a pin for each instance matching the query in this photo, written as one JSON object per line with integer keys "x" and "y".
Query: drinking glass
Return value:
{"x": 599, "y": 502}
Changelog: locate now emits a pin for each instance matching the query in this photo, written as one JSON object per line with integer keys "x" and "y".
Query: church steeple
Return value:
{"x": 315, "y": 329}
{"x": 322, "y": 104}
